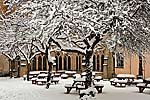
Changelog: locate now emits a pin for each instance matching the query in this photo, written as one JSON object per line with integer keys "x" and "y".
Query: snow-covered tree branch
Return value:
{"x": 79, "y": 25}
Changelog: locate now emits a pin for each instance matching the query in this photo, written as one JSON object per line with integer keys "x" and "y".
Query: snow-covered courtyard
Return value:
{"x": 17, "y": 89}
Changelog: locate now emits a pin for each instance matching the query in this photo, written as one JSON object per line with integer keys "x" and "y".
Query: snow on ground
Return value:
{"x": 17, "y": 89}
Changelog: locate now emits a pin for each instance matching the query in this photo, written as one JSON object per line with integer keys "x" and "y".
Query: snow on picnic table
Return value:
{"x": 17, "y": 89}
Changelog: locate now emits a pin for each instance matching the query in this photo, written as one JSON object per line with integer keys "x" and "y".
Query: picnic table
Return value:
{"x": 79, "y": 81}
{"x": 129, "y": 77}
{"x": 98, "y": 78}
{"x": 42, "y": 75}
{"x": 123, "y": 80}
{"x": 33, "y": 74}
{"x": 40, "y": 79}
{"x": 144, "y": 85}
{"x": 76, "y": 83}
{"x": 70, "y": 73}
{"x": 125, "y": 76}
{"x": 79, "y": 84}
{"x": 61, "y": 71}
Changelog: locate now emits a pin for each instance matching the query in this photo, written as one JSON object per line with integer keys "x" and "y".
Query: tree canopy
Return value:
{"x": 76, "y": 25}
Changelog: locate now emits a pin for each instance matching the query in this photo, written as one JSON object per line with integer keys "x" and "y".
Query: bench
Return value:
{"x": 98, "y": 78}
{"x": 34, "y": 80}
{"x": 137, "y": 81}
{"x": 120, "y": 82}
{"x": 142, "y": 86}
{"x": 41, "y": 81}
{"x": 99, "y": 87}
{"x": 69, "y": 87}
{"x": 80, "y": 87}
{"x": 64, "y": 76}
{"x": 54, "y": 81}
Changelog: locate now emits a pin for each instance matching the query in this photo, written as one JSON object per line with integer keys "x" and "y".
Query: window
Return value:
{"x": 120, "y": 60}
{"x": 34, "y": 64}
{"x": 56, "y": 62}
{"x": 44, "y": 63}
{"x": 94, "y": 63}
{"x": 77, "y": 62}
{"x": 69, "y": 63}
{"x": 60, "y": 63}
{"x": 97, "y": 62}
{"x": 80, "y": 62}
{"x": 65, "y": 63}
{"x": 102, "y": 62}
{"x": 40, "y": 63}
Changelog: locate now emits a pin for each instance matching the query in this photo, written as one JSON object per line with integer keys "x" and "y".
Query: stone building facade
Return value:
{"x": 102, "y": 62}
{"x": 4, "y": 65}
{"x": 131, "y": 65}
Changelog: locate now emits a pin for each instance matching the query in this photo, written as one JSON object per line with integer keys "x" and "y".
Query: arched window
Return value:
{"x": 44, "y": 63}
{"x": 60, "y": 63}
{"x": 65, "y": 63}
{"x": 34, "y": 64}
{"x": 40, "y": 63}
{"x": 120, "y": 60}
{"x": 97, "y": 62}
{"x": 77, "y": 62}
{"x": 56, "y": 63}
{"x": 102, "y": 62}
{"x": 94, "y": 63}
{"x": 69, "y": 63}
{"x": 80, "y": 62}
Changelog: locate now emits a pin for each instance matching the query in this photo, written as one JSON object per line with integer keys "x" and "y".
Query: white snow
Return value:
{"x": 126, "y": 76}
{"x": 17, "y": 89}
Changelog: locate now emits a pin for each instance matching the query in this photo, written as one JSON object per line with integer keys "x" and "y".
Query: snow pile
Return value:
{"x": 88, "y": 94}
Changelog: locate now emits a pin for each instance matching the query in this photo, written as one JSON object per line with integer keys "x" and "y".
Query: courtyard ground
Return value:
{"x": 17, "y": 89}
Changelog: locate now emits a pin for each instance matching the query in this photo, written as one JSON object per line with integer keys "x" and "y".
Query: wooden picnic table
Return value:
{"x": 80, "y": 81}
{"x": 76, "y": 83}
{"x": 129, "y": 77}
{"x": 79, "y": 84}
{"x": 41, "y": 81}
{"x": 99, "y": 87}
{"x": 42, "y": 75}
{"x": 142, "y": 86}
{"x": 70, "y": 73}
{"x": 125, "y": 76}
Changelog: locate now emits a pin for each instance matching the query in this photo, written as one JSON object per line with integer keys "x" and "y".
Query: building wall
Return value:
{"x": 131, "y": 65}
{"x": 4, "y": 65}
{"x": 23, "y": 68}
{"x": 107, "y": 65}
{"x": 146, "y": 66}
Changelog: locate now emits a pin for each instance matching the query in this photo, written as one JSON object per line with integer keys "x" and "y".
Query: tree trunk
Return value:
{"x": 88, "y": 68}
{"x": 140, "y": 67}
{"x": 28, "y": 70}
